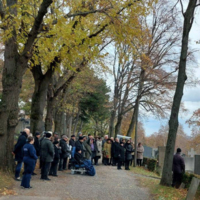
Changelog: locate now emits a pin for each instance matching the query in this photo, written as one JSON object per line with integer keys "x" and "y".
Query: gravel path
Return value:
{"x": 108, "y": 184}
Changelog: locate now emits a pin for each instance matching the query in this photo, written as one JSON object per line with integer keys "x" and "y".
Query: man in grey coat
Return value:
{"x": 46, "y": 154}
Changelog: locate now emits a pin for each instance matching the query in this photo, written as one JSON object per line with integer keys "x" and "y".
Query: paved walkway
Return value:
{"x": 108, "y": 184}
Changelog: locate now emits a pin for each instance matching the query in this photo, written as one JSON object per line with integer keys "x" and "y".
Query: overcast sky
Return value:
{"x": 191, "y": 97}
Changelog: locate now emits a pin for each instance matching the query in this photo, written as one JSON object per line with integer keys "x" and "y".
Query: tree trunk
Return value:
{"x": 76, "y": 122}
{"x": 112, "y": 122}
{"x": 39, "y": 97}
{"x": 173, "y": 122}
{"x": 50, "y": 109}
{"x": 132, "y": 124}
{"x": 58, "y": 122}
{"x": 81, "y": 126}
{"x": 70, "y": 126}
{"x": 13, "y": 72}
{"x": 118, "y": 125}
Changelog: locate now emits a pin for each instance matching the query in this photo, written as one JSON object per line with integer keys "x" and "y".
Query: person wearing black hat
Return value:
{"x": 18, "y": 152}
{"x": 37, "y": 145}
{"x": 78, "y": 156}
{"x": 54, "y": 164}
{"x": 178, "y": 169}
{"x": 121, "y": 156}
{"x": 72, "y": 141}
{"x": 47, "y": 154}
{"x": 79, "y": 144}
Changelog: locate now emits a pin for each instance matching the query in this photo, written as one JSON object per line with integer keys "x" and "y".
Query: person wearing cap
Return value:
{"x": 47, "y": 154}
{"x": 37, "y": 146}
{"x": 54, "y": 164}
{"x": 178, "y": 169}
{"x": 72, "y": 141}
{"x": 78, "y": 156}
{"x": 18, "y": 152}
{"x": 79, "y": 144}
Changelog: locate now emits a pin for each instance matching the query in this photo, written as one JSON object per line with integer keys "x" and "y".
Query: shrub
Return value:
{"x": 152, "y": 164}
{"x": 187, "y": 179}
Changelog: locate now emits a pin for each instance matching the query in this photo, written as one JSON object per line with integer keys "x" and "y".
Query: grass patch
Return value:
{"x": 144, "y": 171}
{"x": 6, "y": 184}
{"x": 157, "y": 191}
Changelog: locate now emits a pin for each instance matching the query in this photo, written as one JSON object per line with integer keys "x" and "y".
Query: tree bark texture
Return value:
{"x": 112, "y": 124}
{"x": 13, "y": 72}
{"x": 137, "y": 102}
{"x": 39, "y": 97}
{"x": 173, "y": 122}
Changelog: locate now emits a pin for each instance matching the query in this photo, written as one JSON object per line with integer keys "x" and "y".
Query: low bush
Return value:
{"x": 151, "y": 163}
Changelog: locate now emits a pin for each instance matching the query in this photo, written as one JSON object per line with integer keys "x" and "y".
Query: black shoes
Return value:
{"x": 45, "y": 179}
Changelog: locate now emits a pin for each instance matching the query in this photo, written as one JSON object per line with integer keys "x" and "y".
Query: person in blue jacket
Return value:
{"x": 29, "y": 160}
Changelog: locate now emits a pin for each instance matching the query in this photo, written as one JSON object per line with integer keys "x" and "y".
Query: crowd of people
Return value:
{"x": 54, "y": 153}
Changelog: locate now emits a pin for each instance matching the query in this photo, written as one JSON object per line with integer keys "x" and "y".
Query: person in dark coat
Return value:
{"x": 72, "y": 141}
{"x": 79, "y": 144}
{"x": 121, "y": 156}
{"x": 29, "y": 160}
{"x": 18, "y": 152}
{"x": 37, "y": 143}
{"x": 115, "y": 151}
{"x": 41, "y": 140}
{"x": 78, "y": 156}
{"x": 46, "y": 154}
{"x": 128, "y": 154}
{"x": 54, "y": 164}
{"x": 64, "y": 153}
{"x": 37, "y": 146}
{"x": 178, "y": 169}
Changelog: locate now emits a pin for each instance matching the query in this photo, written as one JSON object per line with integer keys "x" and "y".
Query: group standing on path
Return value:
{"x": 55, "y": 153}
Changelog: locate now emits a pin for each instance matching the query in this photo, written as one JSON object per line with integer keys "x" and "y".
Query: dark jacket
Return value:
{"x": 64, "y": 149}
{"x": 47, "y": 150}
{"x": 79, "y": 158}
{"x": 121, "y": 155}
{"x": 57, "y": 154}
{"x": 178, "y": 164}
{"x": 129, "y": 150}
{"x": 115, "y": 149}
{"x": 79, "y": 145}
{"x": 18, "y": 149}
{"x": 72, "y": 142}
{"x": 37, "y": 146}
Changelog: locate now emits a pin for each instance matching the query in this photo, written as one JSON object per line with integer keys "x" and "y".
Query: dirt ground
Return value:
{"x": 108, "y": 184}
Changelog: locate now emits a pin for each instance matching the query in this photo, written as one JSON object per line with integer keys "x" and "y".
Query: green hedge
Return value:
{"x": 151, "y": 163}
{"x": 187, "y": 179}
